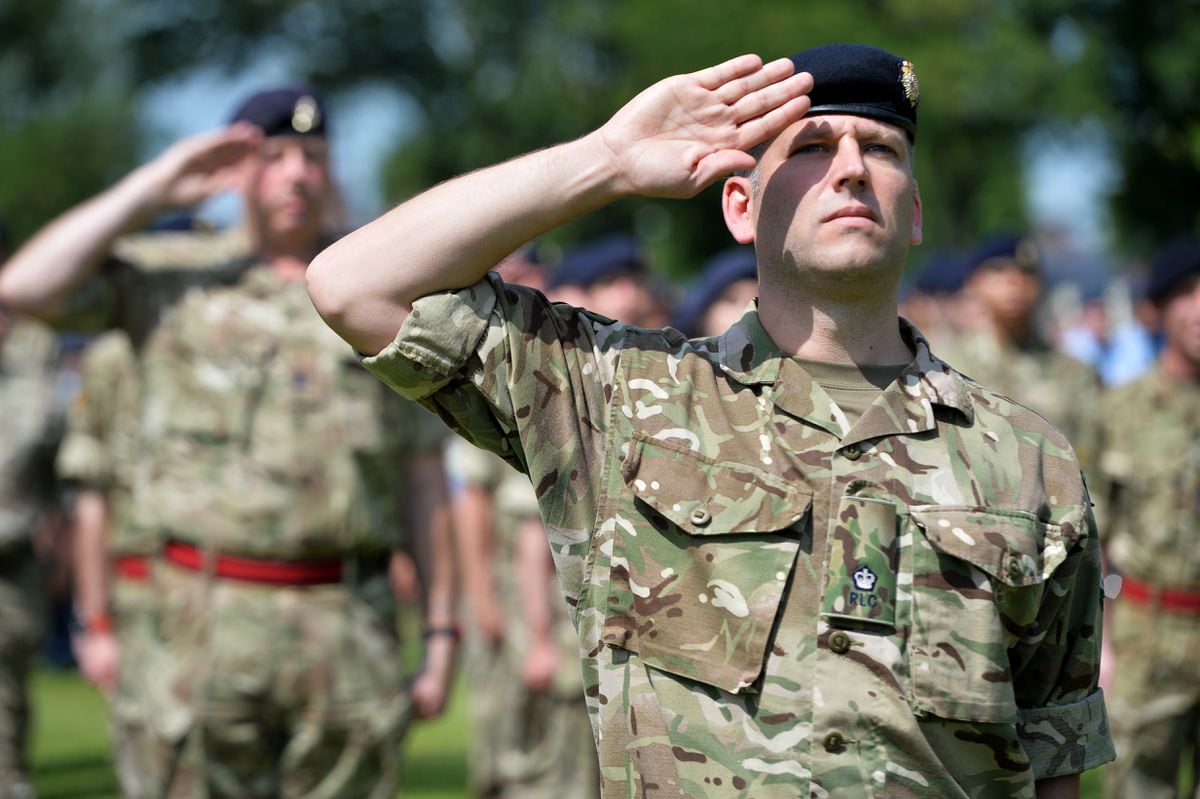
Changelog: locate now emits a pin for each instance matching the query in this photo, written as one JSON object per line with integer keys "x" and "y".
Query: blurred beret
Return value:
{"x": 944, "y": 273}
{"x": 864, "y": 81}
{"x": 285, "y": 111}
{"x": 1009, "y": 247}
{"x": 598, "y": 260}
{"x": 722, "y": 271}
{"x": 1177, "y": 261}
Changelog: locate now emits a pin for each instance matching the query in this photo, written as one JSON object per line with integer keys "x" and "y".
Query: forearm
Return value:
{"x": 89, "y": 553}
{"x": 473, "y": 535}
{"x": 434, "y": 539}
{"x": 61, "y": 256}
{"x": 449, "y": 236}
{"x": 535, "y": 574}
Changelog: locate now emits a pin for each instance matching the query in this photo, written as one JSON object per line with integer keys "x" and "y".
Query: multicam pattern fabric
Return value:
{"x": 30, "y": 429}
{"x": 101, "y": 444}
{"x": 1151, "y": 478}
{"x": 692, "y": 492}
{"x": 526, "y": 744}
{"x": 1064, "y": 390}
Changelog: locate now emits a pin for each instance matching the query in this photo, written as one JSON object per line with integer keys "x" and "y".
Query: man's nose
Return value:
{"x": 849, "y": 169}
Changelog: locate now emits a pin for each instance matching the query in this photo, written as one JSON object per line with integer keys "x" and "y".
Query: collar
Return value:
{"x": 748, "y": 355}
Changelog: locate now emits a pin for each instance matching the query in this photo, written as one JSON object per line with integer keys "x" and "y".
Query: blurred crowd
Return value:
{"x": 210, "y": 508}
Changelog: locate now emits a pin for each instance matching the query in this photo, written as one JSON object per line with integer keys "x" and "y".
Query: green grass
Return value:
{"x": 71, "y": 757}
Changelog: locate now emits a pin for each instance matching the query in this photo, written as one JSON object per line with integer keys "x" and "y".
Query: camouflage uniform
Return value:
{"x": 771, "y": 604}
{"x": 526, "y": 744}
{"x": 1151, "y": 472}
{"x": 261, "y": 437}
{"x": 1064, "y": 390}
{"x": 29, "y": 429}
{"x": 99, "y": 452}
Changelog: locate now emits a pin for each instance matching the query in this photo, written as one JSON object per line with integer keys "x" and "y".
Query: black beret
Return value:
{"x": 284, "y": 111}
{"x": 1177, "y": 262}
{"x": 862, "y": 80}
{"x": 725, "y": 269}
{"x": 596, "y": 260}
{"x": 1007, "y": 246}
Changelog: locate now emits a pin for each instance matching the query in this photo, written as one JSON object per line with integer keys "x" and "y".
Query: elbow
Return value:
{"x": 328, "y": 290}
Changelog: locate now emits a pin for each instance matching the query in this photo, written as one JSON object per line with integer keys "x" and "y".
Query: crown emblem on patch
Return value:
{"x": 864, "y": 579}
{"x": 908, "y": 79}
{"x": 306, "y": 114}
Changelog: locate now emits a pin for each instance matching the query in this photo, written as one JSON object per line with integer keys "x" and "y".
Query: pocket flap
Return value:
{"x": 1007, "y": 545}
{"x": 702, "y": 496}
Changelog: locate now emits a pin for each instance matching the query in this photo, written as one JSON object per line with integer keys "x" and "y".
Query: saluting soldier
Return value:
{"x": 275, "y": 475}
{"x": 805, "y": 557}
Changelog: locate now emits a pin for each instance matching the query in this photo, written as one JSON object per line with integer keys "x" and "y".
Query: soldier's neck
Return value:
{"x": 1177, "y": 366}
{"x": 864, "y": 333}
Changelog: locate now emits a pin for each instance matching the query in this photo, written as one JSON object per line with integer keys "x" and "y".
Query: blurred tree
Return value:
{"x": 1150, "y": 64}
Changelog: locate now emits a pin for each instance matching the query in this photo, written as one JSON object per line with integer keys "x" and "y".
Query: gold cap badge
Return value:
{"x": 908, "y": 79}
{"x": 306, "y": 115}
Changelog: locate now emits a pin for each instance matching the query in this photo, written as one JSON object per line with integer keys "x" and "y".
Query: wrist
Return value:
{"x": 597, "y": 167}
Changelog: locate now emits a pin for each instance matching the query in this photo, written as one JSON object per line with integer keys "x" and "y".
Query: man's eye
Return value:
{"x": 885, "y": 149}
{"x": 809, "y": 148}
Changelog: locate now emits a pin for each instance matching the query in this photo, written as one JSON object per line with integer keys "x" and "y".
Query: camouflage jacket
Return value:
{"x": 30, "y": 428}
{"x": 259, "y": 431}
{"x": 772, "y": 605}
{"x": 1064, "y": 390}
{"x": 1151, "y": 478}
{"x": 101, "y": 445}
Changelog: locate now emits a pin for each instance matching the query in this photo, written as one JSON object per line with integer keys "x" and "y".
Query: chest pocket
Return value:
{"x": 977, "y": 577}
{"x": 702, "y": 552}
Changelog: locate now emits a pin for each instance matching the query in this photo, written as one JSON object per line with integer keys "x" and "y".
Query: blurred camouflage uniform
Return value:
{"x": 263, "y": 442}
{"x": 1055, "y": 385}
{"x": 526, "y": 744}
{"x": 30, "y": 426}
{"x": 99, "y": 452}
{"x": 1151, "y": 472}
{"x": 771, "y": 604}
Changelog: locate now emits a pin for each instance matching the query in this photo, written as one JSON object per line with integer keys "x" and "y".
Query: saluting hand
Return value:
{"x": 686, "y": 131}
{"x": 199, "y": 167}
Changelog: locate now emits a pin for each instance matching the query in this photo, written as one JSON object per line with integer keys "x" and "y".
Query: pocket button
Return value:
{"x": 701, "y": 517}
{"x": 853, "y": 452}
{"x": 834, "y": 742}
{"x": 839, "y": 642}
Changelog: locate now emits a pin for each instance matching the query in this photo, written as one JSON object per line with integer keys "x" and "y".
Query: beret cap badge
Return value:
{"x": 306, "y": 114}
{"x": 908, "y": 79}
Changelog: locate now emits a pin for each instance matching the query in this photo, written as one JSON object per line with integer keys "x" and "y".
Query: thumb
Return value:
{"x": 721, "y": 164}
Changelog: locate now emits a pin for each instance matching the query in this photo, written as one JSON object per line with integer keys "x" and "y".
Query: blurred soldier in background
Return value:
{"x": 609, "y": 276}
{"x": 1008, "y": 351}
{"x": 720, "y": 295}
{"x": 935, "y": 302}
{"x": 276, "y": 475}
{"x": 531, "y": 732}
{"x": 1150, "y": 463}
{"x": 30, "y": 427}
{"x": 112, "y": 559}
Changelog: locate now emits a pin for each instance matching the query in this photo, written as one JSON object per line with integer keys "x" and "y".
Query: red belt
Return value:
{"x": 1169, "y": 599}
{"x": 255, "y": 570}
{"x": 133, "y": 567}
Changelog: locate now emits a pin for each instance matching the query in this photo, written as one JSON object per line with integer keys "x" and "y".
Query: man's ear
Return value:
{"x": 917, "y": 235}
{"x": 737, "y": 205}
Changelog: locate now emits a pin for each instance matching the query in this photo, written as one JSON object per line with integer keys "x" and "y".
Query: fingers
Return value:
{"x": 737, "y": 88}
{"x": 716, "y": 76}
{"x": 771, "y": 96}
{"x": 761, "y": 128}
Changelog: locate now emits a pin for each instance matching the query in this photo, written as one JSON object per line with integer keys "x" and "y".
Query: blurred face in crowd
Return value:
{"x": 288, "y": 190}
{"x": 836, "y": 200}
{"x": 1180, "y": 314}
{"x": 624, "y": 296}
{"x": 517, "y": 268}
{"x": 1006, "y": 291}
{"x": 728, "y": 308}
